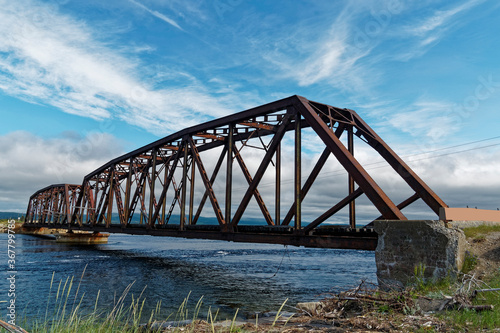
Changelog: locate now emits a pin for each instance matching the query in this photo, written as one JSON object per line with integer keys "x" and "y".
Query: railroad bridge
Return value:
{"x": 171, "y": 186}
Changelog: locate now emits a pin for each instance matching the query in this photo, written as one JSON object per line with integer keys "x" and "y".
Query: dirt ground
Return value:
{"x": 487, "y": 250}
{"x": 359, "y": 310}
{"x": 363, "y": 316}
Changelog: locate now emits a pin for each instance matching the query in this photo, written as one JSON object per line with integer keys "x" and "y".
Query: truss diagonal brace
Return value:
{"x": 212, "y": 180}
{"x": 256, "y": 193}
{"x": 207, "y": 183}
{"x": 344, "y": 202}
{"x": 167, "y": 183}
{"x": 262, "y": 168}
{"x": 376, "y": 195}
{"x": 408, "y": 175}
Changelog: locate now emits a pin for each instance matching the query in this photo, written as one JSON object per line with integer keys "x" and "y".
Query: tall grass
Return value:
{"x": 63, "y": 313}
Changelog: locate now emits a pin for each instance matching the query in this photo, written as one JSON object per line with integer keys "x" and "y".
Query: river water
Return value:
{"x": 251, "y": 277}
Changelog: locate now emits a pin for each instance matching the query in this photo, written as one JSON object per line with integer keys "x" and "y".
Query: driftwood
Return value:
{"x": 11, "y": 328}
{"x": 367, "y": 296}
{"x": 475, "y": 292}
{"x": 478, "y": 307}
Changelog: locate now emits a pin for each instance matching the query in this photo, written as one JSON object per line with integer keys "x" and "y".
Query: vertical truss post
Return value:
{"x": 298, "y": 172}
{"x": 191, "y": 192}
{"x": 277, "y": 195}
{"x": 67, "y": 204}
{"x": 110, "y": 195}
{"x": 152, "y": 189}
{"x": 184, "y": 185}
{"x": 352, "y": 204}
{"x": 143, "y": 193}
{"x": 229, "y": 173}
{"x": 164, "y": 204}
{"x": 128, "y": 187}
{"x": 94, "y": 213}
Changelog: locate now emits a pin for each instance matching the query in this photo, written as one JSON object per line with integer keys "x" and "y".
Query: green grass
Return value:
{"x": 63, "y": 314}
{"x": 480, "y": 231}
{"x": 473, "y": 320}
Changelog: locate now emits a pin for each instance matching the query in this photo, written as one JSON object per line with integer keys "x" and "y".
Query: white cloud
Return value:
{"x": 50, "y": 58}
{"x": 431, "y": 30}
{"x": 157, "y": 14}
{"x": 329, "y": 58}
{"x": 30, "y": 163}
{"x": 425, "y": 118}
{"x": 439, "y": 19}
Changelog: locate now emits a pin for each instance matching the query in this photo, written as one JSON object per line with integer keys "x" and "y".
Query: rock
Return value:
{"x": 433, "y": 305}
{"x": 313, "y": 308}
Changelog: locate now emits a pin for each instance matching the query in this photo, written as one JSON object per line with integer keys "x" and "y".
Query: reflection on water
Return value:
{"x": 252, "y": 277}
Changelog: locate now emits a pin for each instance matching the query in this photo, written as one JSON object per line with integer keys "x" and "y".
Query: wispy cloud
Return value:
{"x": 158, "y": 15}
{"x": 328, "y": 57}
{"x": 429, "y": 119}
{"x": 50, "y": 58}
{"x": 431, "y": 29}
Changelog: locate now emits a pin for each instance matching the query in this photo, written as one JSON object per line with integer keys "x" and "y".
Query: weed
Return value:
{"x": 470, "y": 261}
{"x": 474, "y": 232}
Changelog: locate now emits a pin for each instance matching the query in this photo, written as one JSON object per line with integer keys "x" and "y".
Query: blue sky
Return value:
{"x": 84, "y": 81}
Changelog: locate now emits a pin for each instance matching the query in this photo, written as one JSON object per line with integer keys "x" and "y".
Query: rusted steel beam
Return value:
{"x": 207, "y": 183}
{"x": 312, "y": 176}
{"x": 256, "y": 193}
{"x": 408, "y": 175}
{"x": 229, "y": 174}
{"x": 262, "y": 168}
{"x": 344, "y": 202}
{"x": 385, "y": 206}
{"x": 350, "y": 240}
{"x": 67, "y": 202}
{"x": 184, "y": 182}
{"x": 298, "y": 174}
{"x": 128, "y": 188}
{"x": 101, "y": 207}
{"x": 402, "y": 205}
{"x": 137, "y": 193}
{"x": 118, "y": 199}
{"x": 258, "y": 125}
{"x": 109, "y": 198}
{"x": 152, "y": 203}
{"x": 352, "y": 204}
{"x": 163, "y": 194}
{"x": 212, "y": 180}
{"x": 191, "y": 192}
{"x": 277, "y": 189}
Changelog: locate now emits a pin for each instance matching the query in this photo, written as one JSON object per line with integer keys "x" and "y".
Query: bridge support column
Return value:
{"x": 81, "y": 238}
{"x": 430, "y": 249}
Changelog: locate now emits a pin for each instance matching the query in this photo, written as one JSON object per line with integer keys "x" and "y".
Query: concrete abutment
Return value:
{"x": 435, "y": 248}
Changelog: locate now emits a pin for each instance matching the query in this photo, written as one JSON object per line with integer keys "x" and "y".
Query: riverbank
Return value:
{"x": 362, "y": 309}
{"x": 4, "y": 225}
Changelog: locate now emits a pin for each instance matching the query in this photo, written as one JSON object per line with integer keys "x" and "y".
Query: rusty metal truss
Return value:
{"x": 163, "y": 188}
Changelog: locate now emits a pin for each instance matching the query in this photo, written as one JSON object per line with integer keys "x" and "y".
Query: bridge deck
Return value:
{"x": 337, "y": 238}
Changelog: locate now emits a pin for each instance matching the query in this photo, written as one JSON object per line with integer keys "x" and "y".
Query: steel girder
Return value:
{"x": 146, "y": 186}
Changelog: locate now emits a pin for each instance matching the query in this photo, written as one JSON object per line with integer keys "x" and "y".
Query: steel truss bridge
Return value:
{"x": 163, "y": 188}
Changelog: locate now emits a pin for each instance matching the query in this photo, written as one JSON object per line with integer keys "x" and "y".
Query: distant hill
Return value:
{"x": 10, "y": 215}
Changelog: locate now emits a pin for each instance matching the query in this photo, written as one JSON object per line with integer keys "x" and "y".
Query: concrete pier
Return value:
{"x": 435, "y": 248}
{"x": 81, "y": 237}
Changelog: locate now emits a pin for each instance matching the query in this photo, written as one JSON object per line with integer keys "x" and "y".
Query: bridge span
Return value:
{"x": 171, "y": 186}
